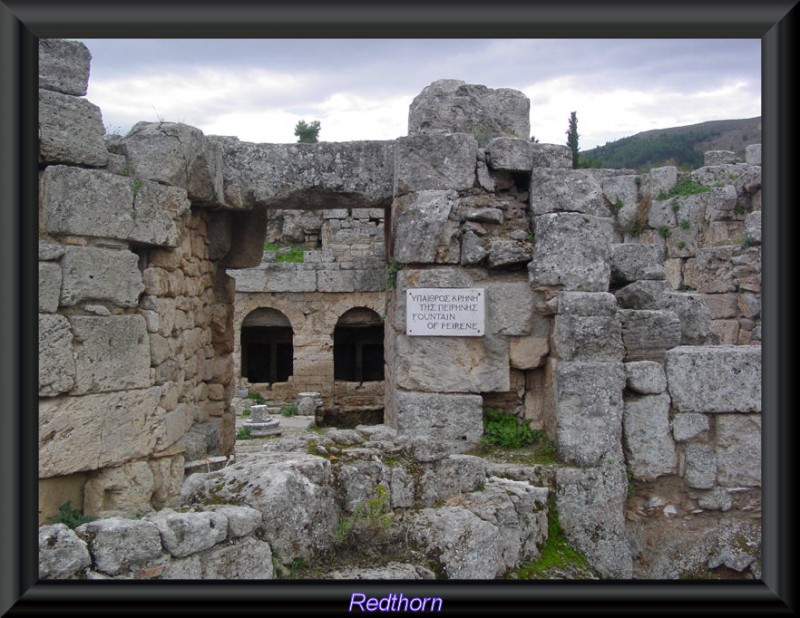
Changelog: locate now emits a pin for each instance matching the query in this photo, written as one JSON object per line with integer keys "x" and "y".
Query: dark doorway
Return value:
{"x": 358, "y": 347}
{"x": 267, "y": 348}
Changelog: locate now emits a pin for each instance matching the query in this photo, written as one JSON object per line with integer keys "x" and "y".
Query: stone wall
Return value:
{"x": 135, "y": 308}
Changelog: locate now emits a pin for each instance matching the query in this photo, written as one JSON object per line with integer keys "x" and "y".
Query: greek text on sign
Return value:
{"x": 445, "y": 312}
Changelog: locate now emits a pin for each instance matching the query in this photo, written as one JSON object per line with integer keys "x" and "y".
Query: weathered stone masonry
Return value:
{"x": 622, "y": 317}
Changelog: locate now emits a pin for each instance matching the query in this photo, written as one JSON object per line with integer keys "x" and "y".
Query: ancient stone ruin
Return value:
{"x": 410, "y": 287}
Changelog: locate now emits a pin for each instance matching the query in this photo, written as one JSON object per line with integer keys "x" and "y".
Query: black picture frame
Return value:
{"x": 22, "y": 22}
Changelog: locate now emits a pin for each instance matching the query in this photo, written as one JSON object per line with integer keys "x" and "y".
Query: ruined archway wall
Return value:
{"x": 313, "y": 316}
{"x": 136, "y": 310}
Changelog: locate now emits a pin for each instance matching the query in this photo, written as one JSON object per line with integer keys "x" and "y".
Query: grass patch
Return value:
{"x": 506, "y": 430}
{"x": 686, "y": 187}
{"x": 558, "y": 559}
{"x": 664, "y": 231}
{"x": 244, "y": 434}
{"x": 70, "y": 517}
{"x": 256, "y": 398}
{"x": 286, "y": 253}
{"x": 290, "y": 410}
{"x": 391, "y": 274}
{"x": 371, "y": 517}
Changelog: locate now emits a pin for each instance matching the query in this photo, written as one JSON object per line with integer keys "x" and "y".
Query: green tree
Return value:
{"x": 572, "y": 138}
{"x": 307, "y": 132}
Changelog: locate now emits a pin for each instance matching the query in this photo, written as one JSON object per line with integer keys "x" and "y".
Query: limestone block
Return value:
{"x": 219, "y": 229}
{"x": 752, "y": 227}
{"x": 56, "y": 361}
{"x": 183, "y": 534}
{"x": 452, "y": 364}
{"x": 743, "y": 177}
{"x": 509, "y": 308}
{"x": 520, "y": 513}
{"x": 392, "y": 570}
{"x": 242, "y": 520}
{"x": 423, "y": 232}
{"x": 336, "y": 281}
{"x": 282, "y": 278}
{"x": 451, "y": 476}
{"x": 647, "y": 334}
{"x": 359, "y": 480}
{"x": 551, "y": 155}
{"x": 659, "y": 180}
{"x": 168, "y": 473}
{"x": 121, "y": 491}
{"x": 505, "y": 252}
{"x": 645, "y": 377}
{"x": 453, "y": 106}
{"x": 661, "y": 214}
{"x": 249, "y": 229}
{"x": 622, "y": 192}
{"x": 176, "y": 154}
{"x": 571, "y": 250}
{"x": 482, "y": 215}
{"x": 747, "y": 270}
{"x": 752, "y": 154}
{"x": 435, "y": 162}
{"x": 62, "y": 554}
{"x": 749, "y": 305}
{"x": 726, "y": 330}
{"x": 119, "y": 544}
{"x": 246, "y": 559}
{"x": 64, "y": 66}
{"x": 50, "y": 251}
{"x": 49, "y": 287}
{"x": 95, "y": 203}
{"x": 70, "y": 130}
{"x": 463, "y": 545}
{"x": 694, "y": 316}
{"x": 587, "y": 338}
{"x": 326, "y": 175}
{"x": 722, "y": 306}
{"x": 485, "y": 179}
{"x": 591, "y": 511}
{"x": 587, "y": 304}
{"x": 528, "y": 352}
{"x": 453, "y": 418}
{"x": 700, "y": 466}
{"x": 719, "y": 157}
{"x": 558, "y": 190}
{"x": 738, "y": 450}
{"x": 715, "y": 378}
{"x": 650, "y": 449}
{"x": 510, "y": 153}
{"x": 95, "y": 274}
{"x": 95, "y": 431}
{"x": 689, "y": 425}
{"x": 293, "y": 491}
{"x": 111, "y": 353}
{"x": 718, "y": 499}
{"x": 711, "y": 271}
{"x": 634, "y": 261}
{"x": 174, "y": 425}
{"x": 587, "y": 407}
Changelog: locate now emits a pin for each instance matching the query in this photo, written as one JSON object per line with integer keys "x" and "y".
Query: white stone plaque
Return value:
{"x": 445, "y": 312}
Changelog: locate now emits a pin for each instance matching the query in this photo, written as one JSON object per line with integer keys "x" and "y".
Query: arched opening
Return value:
{"x": 266, "y": 347}
{"x": 358, "y": 346}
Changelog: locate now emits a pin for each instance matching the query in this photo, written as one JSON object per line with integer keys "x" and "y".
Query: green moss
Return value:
{"x": 557, "y": 555}
{"x": 286, "y": 253}
{"x": 686, "y": 187}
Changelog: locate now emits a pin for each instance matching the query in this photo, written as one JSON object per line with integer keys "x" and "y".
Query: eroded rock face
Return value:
{"x": 64, "y": 66}
{"x": 62, "y": 553}
{"x": 453, "y": 106}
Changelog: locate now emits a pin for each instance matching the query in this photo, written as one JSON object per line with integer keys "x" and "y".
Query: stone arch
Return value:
{"x": 266, "y": 346}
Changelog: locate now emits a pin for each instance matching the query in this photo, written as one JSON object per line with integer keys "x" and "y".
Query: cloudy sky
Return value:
{"x": 257, "y": 89}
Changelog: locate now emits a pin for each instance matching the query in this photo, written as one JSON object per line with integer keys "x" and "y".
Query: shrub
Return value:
{"x": 256, "y": 397}
{"x": 505, "y": 430}
{"x": 290, "y": 410}
{"x": 244, "y": 434}
{"x": 70, "y": 517}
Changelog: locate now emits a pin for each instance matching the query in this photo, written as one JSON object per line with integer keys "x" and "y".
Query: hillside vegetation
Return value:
{"x": 679, "y": 146}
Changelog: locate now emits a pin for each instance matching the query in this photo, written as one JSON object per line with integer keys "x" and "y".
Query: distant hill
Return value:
{"x": 679, "y": 146}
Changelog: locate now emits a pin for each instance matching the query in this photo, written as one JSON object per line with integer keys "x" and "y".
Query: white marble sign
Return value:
{"x": 445, "y": 312}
